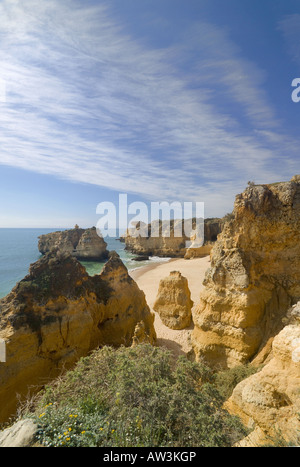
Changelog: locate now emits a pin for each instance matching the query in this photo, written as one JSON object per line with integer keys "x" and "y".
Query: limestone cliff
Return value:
{"x": 83, "y": 244}
{"x": 169, "y": 239}
{"x": 58, "y": 313}
{"x": 173, "y": 302}
{"x": 269, "y": 400}
{"x": 254, "y": 276}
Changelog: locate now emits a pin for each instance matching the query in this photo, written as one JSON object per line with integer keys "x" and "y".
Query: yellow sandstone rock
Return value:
{"x": 83, "y": 244}
{"x": 270, "y": 399}
{"x": 173, "y": 302}
{"x": 254, "y": 277}
{"x": 57, "y": 314}
{"x": 140, "y": 335}
{"x": 168, "y": 239}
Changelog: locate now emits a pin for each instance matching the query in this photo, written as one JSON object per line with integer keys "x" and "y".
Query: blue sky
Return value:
{"x": 165, "y": 100}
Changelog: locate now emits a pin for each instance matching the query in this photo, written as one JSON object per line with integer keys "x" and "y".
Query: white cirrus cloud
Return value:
{"x": 85, "y": 101}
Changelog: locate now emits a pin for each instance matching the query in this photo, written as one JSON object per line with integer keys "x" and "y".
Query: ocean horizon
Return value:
{"x": 19, "y": 249}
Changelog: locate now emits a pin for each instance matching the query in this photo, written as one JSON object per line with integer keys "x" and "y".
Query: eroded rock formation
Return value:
{"x": 59, "y": 313}
{"x": 169, "y": 239}
{"x": 141, "y": 335}
{"x": 173, "y": 302}
{"x": 269, "y": 400}
{"x": 253, "y": 279}
{"x": 83, "y": 244}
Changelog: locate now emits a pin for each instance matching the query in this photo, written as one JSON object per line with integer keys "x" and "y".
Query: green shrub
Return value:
{"x": 280, "y": 441}
{"x": 135, "y": 397}
{"x": 227, "y": 380}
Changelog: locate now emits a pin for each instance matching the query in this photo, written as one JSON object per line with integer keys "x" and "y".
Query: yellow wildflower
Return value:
{"x": 48, "y": 405}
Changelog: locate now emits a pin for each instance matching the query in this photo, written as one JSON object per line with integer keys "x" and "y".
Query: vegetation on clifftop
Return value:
{"x": 137, "y": 397}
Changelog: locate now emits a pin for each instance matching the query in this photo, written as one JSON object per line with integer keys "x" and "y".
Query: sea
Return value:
{"x": 19, "y": 249}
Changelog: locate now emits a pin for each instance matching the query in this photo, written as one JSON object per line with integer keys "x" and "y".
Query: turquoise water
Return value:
{"x": 19, "y": 248}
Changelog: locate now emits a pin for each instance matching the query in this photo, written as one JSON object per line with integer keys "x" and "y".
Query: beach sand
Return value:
{"x": 148, "y": 277}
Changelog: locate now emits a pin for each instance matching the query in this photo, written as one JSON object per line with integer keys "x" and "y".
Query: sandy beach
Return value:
{"x": 148, "y": 279}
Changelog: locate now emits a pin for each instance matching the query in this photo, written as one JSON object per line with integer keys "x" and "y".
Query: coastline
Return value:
{"x": 140, "y": 271}
{"x": 147, "y": 279}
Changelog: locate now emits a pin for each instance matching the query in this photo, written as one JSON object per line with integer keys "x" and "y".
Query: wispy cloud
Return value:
{"x": 290, "y": 28}
{"x": 222, "y": 63}
{"x": 87, "y": 102}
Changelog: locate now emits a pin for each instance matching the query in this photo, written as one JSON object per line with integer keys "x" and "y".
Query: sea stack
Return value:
{"x": 83, "y": 244}
{"x": 173, "y": 302}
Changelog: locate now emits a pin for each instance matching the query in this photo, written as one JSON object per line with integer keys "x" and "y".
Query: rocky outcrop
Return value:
{"x": 173, "y": 302}
{"x": 59, "y": 313}
{"x": 19, "y": 435}
{"x": 169, "y": 239}
{"x": 253, "y": 279}
{"x": 269, "y": 400}
{"x": 141, "y": 335}
{"x": 83, "y": 244}
{"x": 198, "y": 252}
{"x": 142, "y": 240}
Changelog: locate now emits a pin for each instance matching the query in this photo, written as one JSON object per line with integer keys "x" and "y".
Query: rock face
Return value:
{"x": 269, "y": 400}
{"x": 20, "y": 435}
{"x": 254, "y": 277}
{"x": 57, "y": 314}
{"x": 173, "y": 302}
{"x": 140, "y": 335}
{"x": 198, "y": 252}
{"x": 144, "y": 243}
{"x": 83, "y": 244}
{"x": 169, "y": 240}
